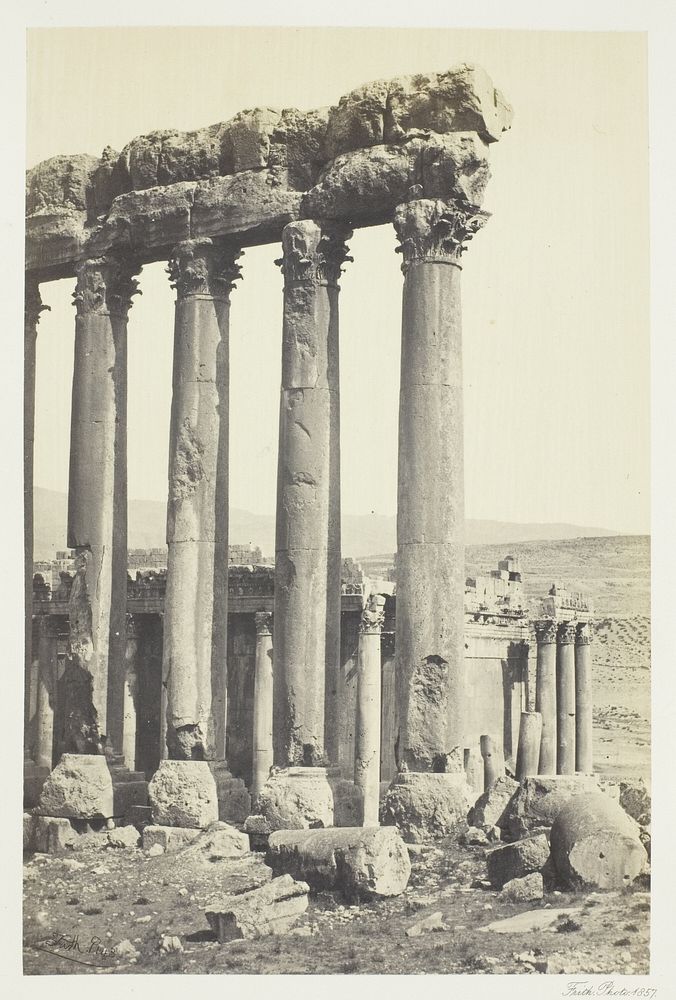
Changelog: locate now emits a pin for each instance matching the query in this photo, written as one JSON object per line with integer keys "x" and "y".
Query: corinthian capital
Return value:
{"x": 433, "y": 230}
{"x": 373, "y": 615}
{"x": 585, "y": 633}
{"x": 263, "y": 622}
{"x": 566, "y": 633}
{"x": 545, "y": 632}
{"x": 33, "y": 305}
{"x": 105, "y": 285}
{"x": 204, "y": 267}
{"x": 314, "y": 252}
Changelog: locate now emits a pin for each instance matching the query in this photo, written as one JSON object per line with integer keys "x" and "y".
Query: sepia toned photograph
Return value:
{"x": 337, "y": 502}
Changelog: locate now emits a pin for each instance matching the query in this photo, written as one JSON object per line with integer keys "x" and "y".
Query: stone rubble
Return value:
{"x": 271, "y": 909}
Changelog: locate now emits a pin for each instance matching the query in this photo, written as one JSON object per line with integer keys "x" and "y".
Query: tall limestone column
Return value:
{"x": 32, "y": 308}
{"x": 565, "y": 698}
{"x": 194, "y": 671}
{"x": 97, "y": 504}
{"x": 367, "y": 741}
{"x": 262, "y": 707}
{"x": 46, "y": 691}
{"x": 430, "y": 513}
{"x": 584, "y": 758}
{"x": 307, "y": 573}
{"x": 545, "y": 693}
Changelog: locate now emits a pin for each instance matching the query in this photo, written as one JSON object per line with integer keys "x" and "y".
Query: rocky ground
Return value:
{"x": 102, "y": 912}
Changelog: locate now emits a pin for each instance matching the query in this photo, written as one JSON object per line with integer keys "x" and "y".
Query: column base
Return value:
{"x": 183, "y": 793}
{"x": 298, "y": 798}
{"x": 426, "y": 805}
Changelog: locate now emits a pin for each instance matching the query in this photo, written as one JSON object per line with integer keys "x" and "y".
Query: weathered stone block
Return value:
{"x": 271, "y": 909}
{"x": 634, "y": 798}
{"x": 536, "y": 804}
{"x": 170, "y": 838}
{"x": 183, "y": 793}
{"x": 128, "y": 795}
{"x": 425, "y": 804}
{"x": 124, "y": 836}
{"x": 358, "y": 120}
{"x": 595, "y": 843}
{"x": 525, "y": 889}
{"x": 50, "y": 834}
{"x": 516, "y": 860}
{"x": 361, "y": 861}
{"x": 491, "y": 807}
{"x": 220, "y": 840}
{"x": 297, "y": 798}
{"x": 80, "y": 787}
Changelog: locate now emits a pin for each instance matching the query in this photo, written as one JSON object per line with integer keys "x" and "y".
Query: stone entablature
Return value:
{"x": 417, "y": 137}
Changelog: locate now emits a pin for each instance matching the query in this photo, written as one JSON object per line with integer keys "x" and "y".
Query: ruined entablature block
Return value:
{"x": 423, "y": 136}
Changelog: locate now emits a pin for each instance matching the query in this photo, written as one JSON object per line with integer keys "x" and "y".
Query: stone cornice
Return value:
{"x": 425, "y": 137}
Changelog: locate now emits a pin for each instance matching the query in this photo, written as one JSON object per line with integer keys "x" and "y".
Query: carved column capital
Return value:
{"x": 373, "y": 616}
{"x": 263, "y": 622}
{"x": 435, "y": 231}
{"x": 204, "y": 267}
{"x": 545, "y": 632}
{"x": 314, "y": 252}
{"x": 33, "y": 305}
{"x": 566, "y": 633}
{"x": 106, "y": 285}
{"x": 585, "y": 633}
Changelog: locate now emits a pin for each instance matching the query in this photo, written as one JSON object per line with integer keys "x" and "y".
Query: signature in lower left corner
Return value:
{"x": 71, "y": 946}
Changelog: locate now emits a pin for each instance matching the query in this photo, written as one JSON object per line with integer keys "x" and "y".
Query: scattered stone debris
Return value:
{"x": 125, "y": 949}
{"x": 512, "y": 861}
{"x": 538, "y": 800}
{"x": 434, "y": 922}
{"x": 170, "y": 943}
{"x": 270, "y": 909}
{"x": 635, "y": 800}
{"x": 490, "y": 809}
{"x": 531, "y": 920}
{"x": 426, "y": 805}
{"x": 525, "y": 889}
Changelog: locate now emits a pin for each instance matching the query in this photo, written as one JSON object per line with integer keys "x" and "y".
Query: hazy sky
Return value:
{"x": 555, "y": 288}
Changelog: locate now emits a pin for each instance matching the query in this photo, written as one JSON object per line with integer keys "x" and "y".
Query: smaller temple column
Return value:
{"x": 583, "y": 699}
{"x": 367, "y": 744}
{"x": 262, "y": 707}
{"x": 130, "y": 693}
{"x": 565, "y": 699}
{"x": 528, "y": 753}
{"x": 545, "y": 693}
{"x": 494, "y": 761}
{"x": 46, "y": 688}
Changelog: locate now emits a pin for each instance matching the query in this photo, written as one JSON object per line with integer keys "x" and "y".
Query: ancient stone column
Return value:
{"x": 307, "y": 573}
{"x": 545, "y": 693}
{"x": 430, "y": 513}
{"x": 262, "y": 707}
{"x": 97, "y": 504}
{"x": 32, "y": 308}
{"x": 528, "y": 753}
{"x": 583, "y": 698}
{"x": 46, "y": 691}
{"x": 494, "y": 760}
{"x": 194, "y": 670}
{"x": 367, "y": 743}
{"x": 565, "y": 698}
{"x": 130, "y": 692}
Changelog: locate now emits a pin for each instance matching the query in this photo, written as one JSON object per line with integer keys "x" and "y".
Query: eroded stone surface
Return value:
{"x": 525, "y": 889}
{"x": 427, "y": 805}
{"x": 271, "y": 909}
{"x": 183, "y": 793}
{"x": 297, "y": 798}
{"x": 537, "y": 802}
{"x": 360, "y": 861}
{"x": 79, "y": 787}
{"x": 491, "y": 807}
{"x": 516, "y": 860}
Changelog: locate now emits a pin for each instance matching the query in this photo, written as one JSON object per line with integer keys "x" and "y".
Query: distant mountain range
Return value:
{"x": 363, "y": 535}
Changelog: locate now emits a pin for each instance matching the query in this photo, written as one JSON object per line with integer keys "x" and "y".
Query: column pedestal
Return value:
{"x": 584, "y": 705}
{"x": 367, "y": 748}
{"x": 545, "y": 694}
{"x": 565, "y": 699}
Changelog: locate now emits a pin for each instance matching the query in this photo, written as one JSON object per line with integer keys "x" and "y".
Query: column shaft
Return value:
{"x": 584, "y": 757}
{"x": 130, "y": 694}
{"x": 97, "y": 504}
{"x": 307, "y": 565}
{"x": 565, "y": 699}
{"x": 528, "y": 753}
{"x": 196, "y": 603}
{"x": 545, "y": 694}
{"x": 262, "y": 708}
{"x": 367, "y": 743}
{"x": 46, "y": 689}
{"x": 430, "y": 514}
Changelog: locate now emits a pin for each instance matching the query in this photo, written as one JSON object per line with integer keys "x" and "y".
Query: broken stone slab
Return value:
{"x": 491, "y": 807}
{"x": 297, "y": 798}
{"x": 434, "y": 922}
{"x": 595, "y": 843}
{"x": 79, "y": 787}
{"x": 218, "y": 841}
{"x": 424, "y": 805}
{"x": 524, "y": 889}
{"x": 537, "y": 802}
{"x": 48, "y": 834}
{"x": 271, "y": 909}
{"x": 183, "y": 793}
{"x": 124, "y": 836}
{"x": 170, "y": 838}
{"x": 361, "y": 861}
{"x": 511, "y": 861}
{"x": 531, "y": 920}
